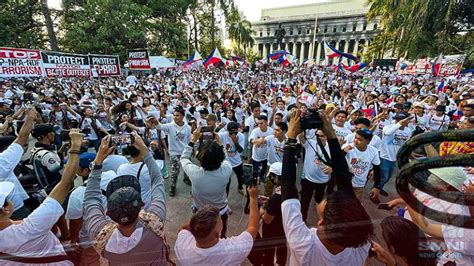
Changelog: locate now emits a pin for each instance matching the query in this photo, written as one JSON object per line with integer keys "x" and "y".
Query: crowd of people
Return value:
{"x": 83, "y": 165}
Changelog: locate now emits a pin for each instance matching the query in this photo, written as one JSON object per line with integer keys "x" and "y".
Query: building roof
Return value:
{"x": 331, "y": 8}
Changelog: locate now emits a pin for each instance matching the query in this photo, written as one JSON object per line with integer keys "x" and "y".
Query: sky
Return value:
{"x": 251, "y": 8}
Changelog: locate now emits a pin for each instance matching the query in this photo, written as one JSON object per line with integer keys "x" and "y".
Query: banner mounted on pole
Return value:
{"x": 104, "y": 65}
{"x": 57, "y": 64}
{"x": 17, "y": 62}
{"x": 138, "y": 59}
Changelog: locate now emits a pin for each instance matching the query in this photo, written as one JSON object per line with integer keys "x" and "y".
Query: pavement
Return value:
{"x": 179, "y": 210}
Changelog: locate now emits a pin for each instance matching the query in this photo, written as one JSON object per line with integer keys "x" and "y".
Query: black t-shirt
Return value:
{"x": 275, "y": 228}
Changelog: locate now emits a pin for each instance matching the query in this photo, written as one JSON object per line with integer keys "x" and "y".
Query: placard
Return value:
{"x": 17, "y": 62}
{"x": 57, "y": 64}
{"x": 138, "y": 59}
{"x": 104, "y": 65}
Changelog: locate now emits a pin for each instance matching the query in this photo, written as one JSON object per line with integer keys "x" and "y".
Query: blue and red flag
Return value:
{"x": 276, "y": 55}
{"x": 332, "y": 52}
{"x": 214, "y": 58}
{"x": 237, "y": 60}
{"x": 441, "y": 86}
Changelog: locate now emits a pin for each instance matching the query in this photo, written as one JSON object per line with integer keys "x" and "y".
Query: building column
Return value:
{"x": 366, "y": 46}
{"x": 337, "y": 45}
{"x": 301, "y": 52}
{"x": 356, "y": 47}
{"x": 288, "y": 47}
{"x": 265, "y": 50}
{"x": 346, "y": 46}
{"x": 318, "y": 52}
{"x": 311, "y": 51}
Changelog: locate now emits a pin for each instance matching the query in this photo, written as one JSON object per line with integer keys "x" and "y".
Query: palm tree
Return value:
{"x": 224, "y": 5}
{"x": 240, "y": 30}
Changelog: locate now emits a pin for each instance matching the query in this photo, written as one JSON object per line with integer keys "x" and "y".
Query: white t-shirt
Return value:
{"x": 250, "y": 122}
{"x": 305, "y": 246}
{"x": 33, "y": 236}
{"x": 460, "y": 244}
{"x": 144, "y": 178}
{"x": 313, "y": 167}
{"x": 360, "y": 163}
{"x": 87, "y": 124}
{"x": 438, "y": 123}
{"x": 178, "y": 137}
{"x": 229, "y": 251}
{"x": 260, "y": 152}
{"x": 233, "y": 156}
{"x": 275, "y": 149}
{"x": 393, "y": 138}
{"x": 9, "y": 159}
{"x": 376, "y": 141}
{"x": 341, "y": 132}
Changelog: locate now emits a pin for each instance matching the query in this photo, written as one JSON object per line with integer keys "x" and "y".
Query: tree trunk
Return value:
{"x": 213, "y": 22}
{"x": 195, "y": 29}
{"x": 49, "y": 25}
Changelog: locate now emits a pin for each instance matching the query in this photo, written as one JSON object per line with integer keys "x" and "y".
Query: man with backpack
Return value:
{"x": 125, "y": 221}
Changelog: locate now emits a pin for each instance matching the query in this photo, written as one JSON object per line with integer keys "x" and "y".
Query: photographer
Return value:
{"x": 344, "y": 229}
{"x": 125, "y": 222}
{"x": 209, "y": 181}
{"x": 31, "y": 241}
{"x": 91, "y": 128}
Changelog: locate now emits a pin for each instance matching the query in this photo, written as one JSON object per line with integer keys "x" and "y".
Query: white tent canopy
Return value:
{"x": 160, "y": 62}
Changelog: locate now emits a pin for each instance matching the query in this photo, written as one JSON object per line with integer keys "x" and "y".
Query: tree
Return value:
{"x": 19, "y": 26}
{"x": 240, "y": 30}
{"x": 417, "y": 28}
{"x": 49, "y": 25}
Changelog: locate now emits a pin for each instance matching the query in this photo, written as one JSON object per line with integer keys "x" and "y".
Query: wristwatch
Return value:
{"x": 93, "y": 166}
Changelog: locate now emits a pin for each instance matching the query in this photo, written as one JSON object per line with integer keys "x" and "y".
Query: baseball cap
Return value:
{"x": 85, "y": 159}
{"x": 5, "y": 189}
{"x": 41, "y": 130}
{"x": 469, "y": 103}
{"x": 211, "y": 117}
{"x": 401, "y": 115}
{"x": 454, "y": 176}
{"x": 275, "y": 168}
{"x": 124, "y": 200}
{"x": 330, "y": 105}
{"x": 419, "y": 105}
{"x": 105, "y": 179}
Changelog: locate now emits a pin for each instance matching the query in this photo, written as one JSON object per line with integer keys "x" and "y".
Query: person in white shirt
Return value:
{"x": 179, "y": 134}
{"x": 361, "y": 158}
{"x": 343, "y": 234}
{"x": 316, "y": 172}
{"x": 12, "y": 151}
{"x": 438, "y": 121}
{"x": 131, "y": 79}
{"x": 91, "y": 128}
{"x": 342, "y": 131}
{"x": 199, "y": 242}
{"x": 360, "y": 123}
{"x": 250, "y": 123}
{"x": 394, "y": 136}
{"x": 31, "y": 241}
{"x": 275, "y": 144}
{"x": 260, "y": 149}
{"x": 233, "y": 142}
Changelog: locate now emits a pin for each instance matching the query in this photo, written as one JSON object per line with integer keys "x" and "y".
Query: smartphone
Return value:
{"x": 371, "y": 252}
{"x": 384, "y": 206}
{"x": 207, "y": 133}
{"x": 250, "y": 179}
{"x": 124, "y": 139}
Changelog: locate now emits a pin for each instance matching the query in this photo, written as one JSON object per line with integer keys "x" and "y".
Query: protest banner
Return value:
{"x": 104, "y": 65}
{"x": 17, "y": 62}
{"x": 57, "y": 64}
{"x": 138, "y": 59}
{"x": 451, "y": 65}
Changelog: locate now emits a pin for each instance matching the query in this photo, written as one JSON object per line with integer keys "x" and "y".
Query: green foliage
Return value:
{"x": 240, "y": 31}
{"x": 19, "y": 26}
{"x": 419, "y": 28}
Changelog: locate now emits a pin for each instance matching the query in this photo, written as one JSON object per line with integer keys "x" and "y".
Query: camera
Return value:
{"x": 124, "y": 139}
{"x": 311, "y": 120}
{"x": 250, "y": 177}
{"x": 207, "y": 133}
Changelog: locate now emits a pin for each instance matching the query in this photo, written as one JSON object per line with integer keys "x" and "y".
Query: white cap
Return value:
{"x": 5, "y": 189}
{"x": 105, "y": 179}
{"x": 275, "y": 168}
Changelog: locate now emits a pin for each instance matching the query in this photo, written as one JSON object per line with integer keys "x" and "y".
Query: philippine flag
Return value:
{"x": 332, "y": 52}
{"x": 440, "y": 86}
{"x": 437, "y": 65}
{"x": 236, "y": 60}
{"x": 214, "y": 58}
{"x": 276, "y": 55}
{"x": 194, "y": 58}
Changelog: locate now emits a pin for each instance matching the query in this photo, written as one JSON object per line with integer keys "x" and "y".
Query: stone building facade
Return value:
{"x": 343, "y": 24}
